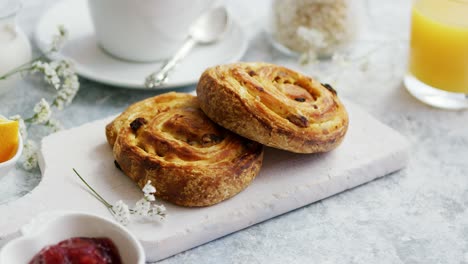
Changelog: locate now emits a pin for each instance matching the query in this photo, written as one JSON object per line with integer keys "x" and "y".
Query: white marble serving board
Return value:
{"x": 287, "y": 181}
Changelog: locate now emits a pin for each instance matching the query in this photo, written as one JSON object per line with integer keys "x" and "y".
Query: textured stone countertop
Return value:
{"x": 417, "y": 215}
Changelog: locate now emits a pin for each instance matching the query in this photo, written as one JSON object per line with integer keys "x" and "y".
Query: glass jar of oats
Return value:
{"x": 315, "y": 28}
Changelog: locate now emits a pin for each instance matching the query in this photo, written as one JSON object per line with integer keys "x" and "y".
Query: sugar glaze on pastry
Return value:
{"x": 273, "y": 105}
{"x": 189, "y": 159}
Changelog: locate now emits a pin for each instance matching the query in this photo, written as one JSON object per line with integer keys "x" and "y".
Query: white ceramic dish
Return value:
{"x": 51, "y": 228}
{"x": 7, "y": 166}
{"x": 93, "y": 63}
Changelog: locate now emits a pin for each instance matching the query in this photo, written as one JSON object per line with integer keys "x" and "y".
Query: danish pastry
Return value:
{"x": 273, "y": 105}
{"x": 189, "y": 159}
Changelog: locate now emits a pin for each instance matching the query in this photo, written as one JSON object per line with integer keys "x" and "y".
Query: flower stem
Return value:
{"x": 30, "y": 120}
{"x": 15, "y": 71}
{"x": 23, "y": 67}
{"x": 92, "y": 189}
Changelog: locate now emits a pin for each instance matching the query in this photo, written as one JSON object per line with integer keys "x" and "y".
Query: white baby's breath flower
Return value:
{"x": 29, "y": 157}
{"x": 54, "y": 125}
{"x": 59, "y": 39}
{"x": 49, "y": 71}
{"x": 150, "y": 197}
{"x": 22, "y": 126}
{"x": 121, "y": 212}
{"x": 42, "y": 112}
{"x": 157, "y": 212}
{"x": 142, "y": 207}
{"x": 145, "y": 208}
{"x": 62, "y": 76}
{"x": 68, "y": 92}
{"x": 37, "y": 66}
{"x": 149, "y": 191}
{"x": 148, "y": 188}
{"x": 64, "y": 68}
{"x": 54, "y": 80}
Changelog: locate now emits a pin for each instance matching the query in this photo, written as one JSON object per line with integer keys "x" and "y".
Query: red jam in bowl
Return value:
{"x": 79, "y": 250}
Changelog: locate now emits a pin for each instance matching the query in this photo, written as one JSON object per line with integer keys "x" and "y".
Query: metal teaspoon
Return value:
{"x": 207, "y": 29}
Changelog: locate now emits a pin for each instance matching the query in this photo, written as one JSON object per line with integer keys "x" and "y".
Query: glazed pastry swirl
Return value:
{"x": 274, "y": 105}
{"x": 189, "y": 159}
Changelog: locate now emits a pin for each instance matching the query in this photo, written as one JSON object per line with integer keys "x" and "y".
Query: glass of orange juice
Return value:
{"x": 438, "y": 59}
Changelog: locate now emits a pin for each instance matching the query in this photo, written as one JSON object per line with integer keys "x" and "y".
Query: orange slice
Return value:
{"x": 8, "y": 139}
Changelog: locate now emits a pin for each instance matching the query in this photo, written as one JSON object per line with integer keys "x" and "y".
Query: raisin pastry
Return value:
{"x": 273, "y": 105}
{"x": 189, "y": 159}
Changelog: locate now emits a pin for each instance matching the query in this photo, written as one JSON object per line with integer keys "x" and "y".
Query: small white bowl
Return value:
{"x": 51, "y": 228}
{"x": 7, "y": 166}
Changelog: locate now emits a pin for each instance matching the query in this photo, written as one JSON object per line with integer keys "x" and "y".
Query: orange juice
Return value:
{"x": 439, "y": 44}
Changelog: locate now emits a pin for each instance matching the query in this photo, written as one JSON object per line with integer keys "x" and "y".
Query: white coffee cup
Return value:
{"x": 144, "y": 30}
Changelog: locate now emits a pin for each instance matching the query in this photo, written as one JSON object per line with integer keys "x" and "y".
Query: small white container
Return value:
{"x": 15, "y": 49}
{"x": 54, "y": 227}
{"x": 7, "y": 166}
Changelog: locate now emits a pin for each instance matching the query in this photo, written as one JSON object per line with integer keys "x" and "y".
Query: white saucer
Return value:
{"x": 93, "y": 63}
